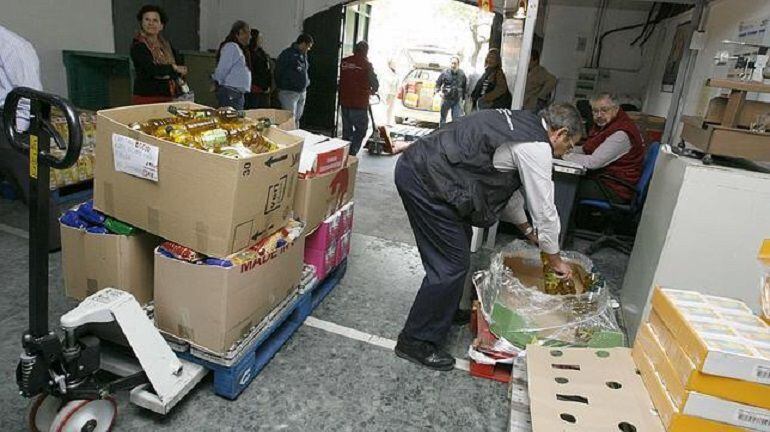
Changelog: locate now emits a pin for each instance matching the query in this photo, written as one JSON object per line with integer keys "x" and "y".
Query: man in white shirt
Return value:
{"x": 19, "y": 67}
{"x": 464, "y": 175}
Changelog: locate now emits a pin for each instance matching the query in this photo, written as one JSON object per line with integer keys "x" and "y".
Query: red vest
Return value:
{"x": 354, "y": 82}
{"x": 629, "y": 166}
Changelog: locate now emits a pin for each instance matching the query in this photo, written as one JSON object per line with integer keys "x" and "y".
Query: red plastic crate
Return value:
{"x": 498, "y": 372}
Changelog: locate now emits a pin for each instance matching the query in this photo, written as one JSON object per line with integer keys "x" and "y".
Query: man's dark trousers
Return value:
{"x": 444, "y": 244}
{"x": 355, "y": 124}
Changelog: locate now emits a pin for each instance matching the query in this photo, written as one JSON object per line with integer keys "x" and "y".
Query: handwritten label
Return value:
{"x": 135, "y": 157}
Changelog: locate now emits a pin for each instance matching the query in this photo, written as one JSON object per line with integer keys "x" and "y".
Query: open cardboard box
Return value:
{"x": 283, "y": 119}
{"x": 212, "y": 306}
{"x": 92, "y": 262}
{"x": 207, "y": 202}
{"x": 573, "y": 320}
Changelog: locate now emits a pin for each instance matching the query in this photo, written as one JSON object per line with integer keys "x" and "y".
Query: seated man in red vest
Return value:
{"x": 613, "y": 147}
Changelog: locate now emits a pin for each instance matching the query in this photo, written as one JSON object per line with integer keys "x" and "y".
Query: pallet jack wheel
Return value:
{"x": 86, "y": 416}
{"x": 42, "y": 412}
{"x": 374, "y": 148}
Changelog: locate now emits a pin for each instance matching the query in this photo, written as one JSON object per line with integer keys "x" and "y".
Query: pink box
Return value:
{"x": 346, "y": 214}
{"x": 343, "y": 248}
{"x": 326, "y": 234}
{"x": 323, "y": 261}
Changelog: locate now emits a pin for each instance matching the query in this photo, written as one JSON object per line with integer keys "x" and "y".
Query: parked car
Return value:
{"x": 417, "y": 98}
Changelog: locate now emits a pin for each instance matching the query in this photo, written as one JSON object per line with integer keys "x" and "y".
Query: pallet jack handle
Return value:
{"x": 36, "y": 142}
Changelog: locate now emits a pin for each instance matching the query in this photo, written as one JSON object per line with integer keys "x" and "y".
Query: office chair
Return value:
{"x": 619, "y": 212}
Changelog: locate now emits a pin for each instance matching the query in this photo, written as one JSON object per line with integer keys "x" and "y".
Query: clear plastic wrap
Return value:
{"x": 518, "y": 311}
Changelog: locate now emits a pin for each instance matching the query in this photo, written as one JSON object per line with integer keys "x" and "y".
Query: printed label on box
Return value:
{"x": 763, "y": 374}
{"x": 752, "y": 419}
{"x": 135, "y": 157}
{"x": 275, "y": 195}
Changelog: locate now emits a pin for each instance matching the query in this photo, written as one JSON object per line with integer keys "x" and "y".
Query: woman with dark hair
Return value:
{"x": 159, "y": 68}
{"x": 261, "y": 74}
{"x": 232, "y": 77}
{"x": 491, "y": 89}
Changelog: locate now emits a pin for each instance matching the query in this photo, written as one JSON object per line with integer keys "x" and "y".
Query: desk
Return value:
{"x": 566, "y": 178}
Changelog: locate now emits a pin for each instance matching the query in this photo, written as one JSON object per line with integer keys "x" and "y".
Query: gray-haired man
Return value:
{"x": 464, "y": 175}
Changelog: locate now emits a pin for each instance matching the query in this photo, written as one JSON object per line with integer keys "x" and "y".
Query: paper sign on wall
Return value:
{"x": 135, "y": 157}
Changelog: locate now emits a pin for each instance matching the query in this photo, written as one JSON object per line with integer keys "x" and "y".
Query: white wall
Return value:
{"x": 724, "y": 17}
{"x": 55, "y": 25}
{"x": 623, "y": 65}
{"x": 279, "y": 22}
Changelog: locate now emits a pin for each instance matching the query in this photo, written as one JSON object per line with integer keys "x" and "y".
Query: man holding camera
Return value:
{"x": 452, "y": 84}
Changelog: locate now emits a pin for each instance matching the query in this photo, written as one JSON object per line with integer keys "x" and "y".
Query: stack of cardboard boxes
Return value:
{"x": 705, "y": 361}
{"x": 214, "y": 205}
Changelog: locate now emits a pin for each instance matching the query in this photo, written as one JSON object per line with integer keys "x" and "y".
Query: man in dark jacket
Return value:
{"x": 357, "y": 82}
{"x": 292, "y": 78}
{"x": 464, "y": 175}
{"x": 453, "y": 85}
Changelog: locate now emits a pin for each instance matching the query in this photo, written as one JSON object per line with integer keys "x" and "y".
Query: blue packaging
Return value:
{"x": 97, "y": 230}
{"x": 217, "y": 262}
{"x": 89, "y": 215}
{"x": 72, "y": 219}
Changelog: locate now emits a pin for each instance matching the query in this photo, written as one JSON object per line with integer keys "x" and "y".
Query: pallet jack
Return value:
{"x": 379, "y": 141}
{"x": 64, "y": 371}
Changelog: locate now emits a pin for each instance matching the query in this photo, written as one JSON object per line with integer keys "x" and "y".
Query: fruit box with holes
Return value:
{"x": 584, "y": 389}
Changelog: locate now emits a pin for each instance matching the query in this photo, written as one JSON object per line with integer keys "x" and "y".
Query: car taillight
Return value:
{"x": 400, "y": 94}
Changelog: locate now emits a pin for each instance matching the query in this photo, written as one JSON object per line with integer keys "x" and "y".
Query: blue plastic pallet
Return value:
{"x": 230, "y": 381}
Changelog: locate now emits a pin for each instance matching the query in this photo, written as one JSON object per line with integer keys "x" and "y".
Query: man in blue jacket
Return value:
{"x": 292, "y": 78}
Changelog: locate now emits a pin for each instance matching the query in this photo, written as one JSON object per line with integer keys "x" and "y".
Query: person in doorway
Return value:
{"x": 357, "y": 82}
{"x": 464, "y": 175}
{"x": 159, "y": 69}
{"x": 540, "y": 84}
{"x": 613, "y": 152}
{"x": 232, "y": 77}
{"x": 261, "y": 74}
{"x": 19, "y": 67}
{"x": 453, "y": 85}
{"x": 491, "y": 89}
{"x": 292, "y": 79}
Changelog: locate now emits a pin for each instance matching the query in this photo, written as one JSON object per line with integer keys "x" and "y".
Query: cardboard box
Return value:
{"x": 321, "y": 154}
{"x": 210, "y": 203}
{"x": 323, "y": 261}
{"x": 346, "y": 217}
{"x": 343, "y": 248}
{"x": 712, "y": 335}
{"x": 579, "y": 389}
{"x": 658, "y": 338}
{"x": 319, "y": 197}
{"x": 673, "y": 420}
{"x": 96, "y": 261}
{"x": 283, "y": 119}
{"x": 214, "y": 307}
{"x": 681, "y": 378}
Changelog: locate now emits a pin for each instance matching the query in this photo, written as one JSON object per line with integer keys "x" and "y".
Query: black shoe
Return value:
{"x": 424, "y": 353}
{"x": 462, "y": 317}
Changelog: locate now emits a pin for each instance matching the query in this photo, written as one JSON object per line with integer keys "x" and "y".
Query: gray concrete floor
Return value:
{"x": 319, "y": 381}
